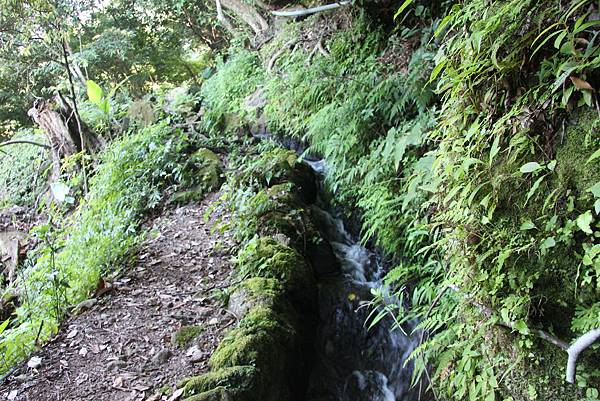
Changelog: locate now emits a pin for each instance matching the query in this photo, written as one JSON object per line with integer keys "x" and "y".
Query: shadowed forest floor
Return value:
{"x": 127, "y": 343}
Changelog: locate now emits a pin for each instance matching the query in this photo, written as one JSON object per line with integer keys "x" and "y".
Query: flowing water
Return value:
{"x": 353, "y": 363}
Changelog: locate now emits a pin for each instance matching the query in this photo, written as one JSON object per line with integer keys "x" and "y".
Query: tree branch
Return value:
{"x": 24, "y": 141}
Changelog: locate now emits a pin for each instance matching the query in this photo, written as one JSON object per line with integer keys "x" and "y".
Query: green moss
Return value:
{"x": 265, "y": 257}
{"x": 221, "y": 394}
{"x": 279, "y": 210}
{"x": 207, "y": 165}
{"x": 280, "y": 166}
{"x": 581, "y": 140}
{"x": 250, "y": 346}
{"x": 186, "y": 334}
{"x": 202, "y": 175}
{"x": 237, "y": 378}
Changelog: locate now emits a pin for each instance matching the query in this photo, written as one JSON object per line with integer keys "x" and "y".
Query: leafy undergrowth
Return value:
{"x": 97, "y": 239}
{"x": 23, "y": 168}
{"x": 474, "y": 163}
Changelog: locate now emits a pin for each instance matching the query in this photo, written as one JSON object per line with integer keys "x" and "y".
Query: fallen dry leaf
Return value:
{"x": 581, "y": 84}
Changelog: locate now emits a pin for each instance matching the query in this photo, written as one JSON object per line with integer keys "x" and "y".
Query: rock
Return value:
{"x": 253, "y": 292}
{"x": 161, "y": 357}
{"x": 195, "y": 354}
{"x": 35, "y": 362}
{"x": 85, "y": 305}
{"x": 115, "y": 365}
{"x": 322, "y": 258}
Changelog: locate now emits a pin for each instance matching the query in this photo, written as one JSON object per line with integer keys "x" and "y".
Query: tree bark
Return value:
{"x": 57, "y": 121}
{"x": 248, "y": 14}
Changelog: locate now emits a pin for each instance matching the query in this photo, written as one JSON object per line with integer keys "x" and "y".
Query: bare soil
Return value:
{"x": 121, "y": 347}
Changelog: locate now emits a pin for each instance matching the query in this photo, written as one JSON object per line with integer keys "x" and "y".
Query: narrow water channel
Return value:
{"x": 354, "y": 363}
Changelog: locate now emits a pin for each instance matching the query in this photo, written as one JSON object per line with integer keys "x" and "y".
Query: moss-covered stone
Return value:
{"x": 268, "y": 258}
{"x": 208, "y": 168}
{"x": 279, "y": 166}
{"x": 237, "y": 378}
{"x": 202, "y": 175}
{"x": 222, "y": 394}
{"x": 279, "y": 210}
{"x": 256, "y": 291}
{"x": 186, "y": 334}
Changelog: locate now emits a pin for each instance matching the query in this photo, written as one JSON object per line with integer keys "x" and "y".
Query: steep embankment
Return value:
{"x": 455, "y": 139}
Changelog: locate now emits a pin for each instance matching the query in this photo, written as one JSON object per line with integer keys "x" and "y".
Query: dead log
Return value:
{"x": 57, "y": 120}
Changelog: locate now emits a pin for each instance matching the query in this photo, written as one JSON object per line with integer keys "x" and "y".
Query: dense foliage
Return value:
{"x": 466, "y": 139}
{"x": 23, "y": 170}
{"x": 491, "y": 188}
{"x": 97, "y": 239}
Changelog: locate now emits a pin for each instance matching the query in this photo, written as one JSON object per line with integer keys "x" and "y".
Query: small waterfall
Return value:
{"x": 353, "y": 363}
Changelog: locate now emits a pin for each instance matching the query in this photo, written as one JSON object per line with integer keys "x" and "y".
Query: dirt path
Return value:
{"x": 124, "y": 347}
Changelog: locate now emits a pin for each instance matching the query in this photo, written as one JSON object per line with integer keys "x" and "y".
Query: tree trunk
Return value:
{"x": 248, "y": 14}
{"x": 57, "y": 120}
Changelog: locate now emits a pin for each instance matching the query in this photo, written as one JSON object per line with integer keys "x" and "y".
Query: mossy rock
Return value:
{"x": 186, "y": 334}
{"x": 202, "y": 175}
{"x": 208, "y": 168}
{"x": 222, "y": 394}
{"x": 259, "y": 348}
{"x": 280, "y": 166}
{"x": 265, "y": 257}
{"x": 279, "y": 210}
{"x": 236, "y": 380}
{"x": 260, "y": 340}
{"x": 256, "y": 291}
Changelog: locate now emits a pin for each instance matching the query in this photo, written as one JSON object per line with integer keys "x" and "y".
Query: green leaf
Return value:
{"x": 521, "y": 327}
{"x": 60, "y": 191}
{"x": 551, "y": 165}
{"x": 594, "y": 156}
{"x": 94, "y": 92}
{"x": 583, "y": 222}
{"x": 495, "y": 149}
{"x": 402, "y": 8}
{"x": 527, "y": 225}
{"x": 4, "y": 325}
{"x": 104, "y": 106}
{"x": 534, "y": 188}
{"x": 530, "y": 167}
{"x": 548, "y": 243}
{"x": 594, "y": 189}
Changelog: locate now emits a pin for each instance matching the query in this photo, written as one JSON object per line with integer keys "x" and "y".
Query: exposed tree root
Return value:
{"x": 278, "y": 54}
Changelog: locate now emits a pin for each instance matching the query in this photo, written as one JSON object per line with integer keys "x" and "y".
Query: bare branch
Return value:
{"x": 24, "y": 141}
{"x": 278, "y": 54}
